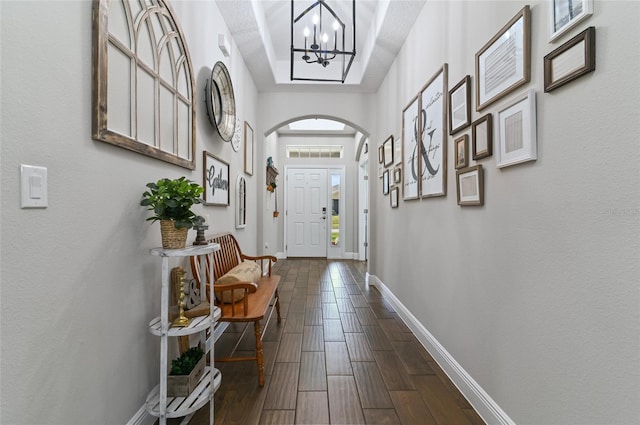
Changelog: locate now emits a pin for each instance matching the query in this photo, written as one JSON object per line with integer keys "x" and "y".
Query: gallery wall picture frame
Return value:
{"x": 215, "y": 180}
{"x": 410, "y": 154}
{"x": 248, "y": 149}
{"x": 516, "y": 141}
{"x": 433, "y": 135}
{"x": 397, "y": 175}
{"x": 470, "y": 186}
{"x": 397, "y": 141}
{"x": 462, "y": 152}
{"x": 566, "y": 14}
{"x": 387, "y": 148}
{"x": 381, "y": 154}
{"x": 572, "y": 60}
{"x": 393, "y": 199}
{"x": 482, "y": 137}
{"x": 460, "y": 106}
{"x": 385, "y": 182}
{"x": 504, "y": 63}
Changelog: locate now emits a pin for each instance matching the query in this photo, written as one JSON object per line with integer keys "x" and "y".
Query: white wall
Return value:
{"x": 78, "y": 285}
{"x": 535, "y": 294}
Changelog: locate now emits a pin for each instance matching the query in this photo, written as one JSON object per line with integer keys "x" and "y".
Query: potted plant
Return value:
{"x": 185, "y": 373}
{"x": 171, "y": 201}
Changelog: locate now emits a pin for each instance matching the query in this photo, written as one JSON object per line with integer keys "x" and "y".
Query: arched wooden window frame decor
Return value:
{"x": 139, "y": 49}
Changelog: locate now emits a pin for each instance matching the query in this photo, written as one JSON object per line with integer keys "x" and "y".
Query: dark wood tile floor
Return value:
{"x": 340, "y": 356}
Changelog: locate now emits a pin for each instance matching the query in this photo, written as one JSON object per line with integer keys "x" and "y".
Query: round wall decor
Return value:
{"x": 221, "y": 102}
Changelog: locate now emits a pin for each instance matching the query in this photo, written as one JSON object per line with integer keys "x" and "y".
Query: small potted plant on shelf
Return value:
{"x": 171, "y": 201}
{"x": 185, "y": 373}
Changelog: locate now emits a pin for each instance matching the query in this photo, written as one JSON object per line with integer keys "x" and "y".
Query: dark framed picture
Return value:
{"x": 565, "y": 14}
{"x": 385, "y": 182}
{"x": 573, "y": 59}
{"x": 482, "y": 137}
{"x": 460, "y": 106}
{"x": 387, "y": 151}
{"x": 393, "y": 199}
{"x": 215, "y": 180}
{"x": 397, "y": 175}
{"x": 470, "y": 186}
{"x": 504, "y": 63}
{"x": 433, "y": 135}
{"x": 381, "y": 154}
{"x": 462, "y": 152}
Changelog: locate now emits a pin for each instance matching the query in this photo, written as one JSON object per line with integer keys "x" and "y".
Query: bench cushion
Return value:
{"x": 246, "y": 271}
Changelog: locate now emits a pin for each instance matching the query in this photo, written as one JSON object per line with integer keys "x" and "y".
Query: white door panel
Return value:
{"x": 306, "y": 220}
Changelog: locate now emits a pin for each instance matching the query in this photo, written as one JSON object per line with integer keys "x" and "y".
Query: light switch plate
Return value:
{"x": 33, "y": 185}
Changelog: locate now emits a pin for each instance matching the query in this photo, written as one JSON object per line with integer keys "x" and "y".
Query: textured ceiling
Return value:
{"x": 262, "y": 32}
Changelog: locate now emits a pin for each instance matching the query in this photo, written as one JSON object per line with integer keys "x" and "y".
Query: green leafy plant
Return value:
{"x": 172, "y": 200}
{"x": 184, "y": 364}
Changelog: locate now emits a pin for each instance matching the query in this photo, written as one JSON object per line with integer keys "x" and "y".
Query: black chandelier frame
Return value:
{"x": 314, "y": 52}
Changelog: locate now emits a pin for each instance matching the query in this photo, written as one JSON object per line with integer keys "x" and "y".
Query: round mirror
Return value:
{"x": 221, "y": 102}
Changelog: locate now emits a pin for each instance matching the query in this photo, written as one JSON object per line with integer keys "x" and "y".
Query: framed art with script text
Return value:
{"x": 410, "y": 159}
{"x": 482, "y": 137}
{"x": 460, "y": 106}
{"x": 433, "y": 135}
{"x": 565, "y": 14}
{"x": 573, "y": 59}
{"x": 470, "y": 186}
{"x": 517, "y": 131}
{"x": 504, "y": 63}
{"x": 215, "y": 180}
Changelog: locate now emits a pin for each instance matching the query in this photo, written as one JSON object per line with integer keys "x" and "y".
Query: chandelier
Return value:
{"x": 323, "y": 45}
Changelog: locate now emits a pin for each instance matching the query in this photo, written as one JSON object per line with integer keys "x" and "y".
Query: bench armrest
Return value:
{"x": 261, "y": 259}
{"x": 246, "y": 287}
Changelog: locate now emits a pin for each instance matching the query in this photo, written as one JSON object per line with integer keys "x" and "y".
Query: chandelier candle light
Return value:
{"x": 318, "y": 50}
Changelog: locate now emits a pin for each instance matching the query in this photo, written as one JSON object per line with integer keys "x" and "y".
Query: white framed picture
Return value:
{"x": 565, "y": 14}
{"x": 470, "y": 186}
{"x": 516, "y": 124}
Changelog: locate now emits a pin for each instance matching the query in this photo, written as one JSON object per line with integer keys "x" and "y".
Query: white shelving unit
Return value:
{"x": 158, "y": 404}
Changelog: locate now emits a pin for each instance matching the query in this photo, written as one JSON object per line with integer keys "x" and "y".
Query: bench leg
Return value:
{"x": 278, "y": 306}
{"x": 259, "y": 358}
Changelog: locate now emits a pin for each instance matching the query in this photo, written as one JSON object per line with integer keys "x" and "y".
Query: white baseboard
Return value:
{"x": 280, "y": 255}
{"x": 486, "y": 407}
{"x": 142, "y": 417}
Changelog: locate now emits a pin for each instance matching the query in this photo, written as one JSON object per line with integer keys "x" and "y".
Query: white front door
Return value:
{"x": 307, "y": 199}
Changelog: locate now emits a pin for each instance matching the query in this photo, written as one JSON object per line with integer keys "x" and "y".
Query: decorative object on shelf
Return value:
{"x": 126, "y": 78}
{"x": 504, "y": 63}
{"x": 565, "y": 14}
{"x": 221, "y": 102}
{"x": 216, "y": 180}
{"x": 573, "y": 59}
{"x": 327, "y": 29}
{"x": 248, "y": 149}
{"x": 181, "y": 320}
{"x": 200, "y": 228}
{"x": 433, "y": 135}
{"x": 462, "y": 152}
{"x": 482, "y": 137}
{"x": 410, "y": 158}
{"x": 470, "y": 186}
{"x": 272, "y": 174}
{"x": 517, "y": 131}
{"x": 235, "y": 140}
{"x": 460, "y": 106}
{"x": 171, "y": 201}
{"x": 185, "y": 373}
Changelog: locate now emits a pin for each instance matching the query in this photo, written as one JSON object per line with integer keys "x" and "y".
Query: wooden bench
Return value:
{"x": 260, "y": 298}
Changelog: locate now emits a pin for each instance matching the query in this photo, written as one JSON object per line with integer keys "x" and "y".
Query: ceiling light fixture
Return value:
{"x": 326, "y": 40}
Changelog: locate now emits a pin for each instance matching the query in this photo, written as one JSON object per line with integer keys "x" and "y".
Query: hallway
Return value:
{"x": 340, "y": 356}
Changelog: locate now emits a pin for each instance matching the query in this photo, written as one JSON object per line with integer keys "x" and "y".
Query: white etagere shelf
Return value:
{"x": 158, "y": 403}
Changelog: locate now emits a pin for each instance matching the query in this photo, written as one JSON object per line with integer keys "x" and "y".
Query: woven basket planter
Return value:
{"x": 172, "y": 238}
